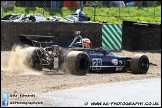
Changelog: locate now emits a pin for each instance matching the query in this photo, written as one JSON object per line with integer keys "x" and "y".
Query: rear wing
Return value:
{"x": 41, "y": 40}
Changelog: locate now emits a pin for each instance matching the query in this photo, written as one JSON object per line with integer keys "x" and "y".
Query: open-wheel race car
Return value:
{"x": 79, "y": 57}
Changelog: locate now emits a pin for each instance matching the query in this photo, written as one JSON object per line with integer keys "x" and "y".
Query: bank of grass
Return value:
{"x": 103, "y": 14}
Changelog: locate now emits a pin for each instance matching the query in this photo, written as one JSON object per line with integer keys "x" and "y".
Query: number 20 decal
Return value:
{"x": 96, "y": 62}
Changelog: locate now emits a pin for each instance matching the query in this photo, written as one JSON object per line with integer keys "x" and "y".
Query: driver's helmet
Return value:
{"x": 86, "y": 42}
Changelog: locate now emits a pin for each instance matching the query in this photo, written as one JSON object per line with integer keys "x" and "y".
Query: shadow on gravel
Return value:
{"x": 145, "y": 51}
{"x": 52, "y": 72}
{"x": 111, "y": 72}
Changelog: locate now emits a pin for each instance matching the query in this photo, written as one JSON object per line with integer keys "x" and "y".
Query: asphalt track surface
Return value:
{"x": 134, "y": 93}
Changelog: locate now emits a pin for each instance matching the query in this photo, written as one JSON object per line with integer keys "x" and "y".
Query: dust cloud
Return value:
{"x": 20, "y": 60}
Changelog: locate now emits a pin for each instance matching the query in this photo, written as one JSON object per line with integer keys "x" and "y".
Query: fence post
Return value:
{"x": 81, "y": 6}
{"x": 119, "y": 11}
{"x": 154, "y": 8}
{"x": 94, "y": 5}
{"x": 2, "y": 9}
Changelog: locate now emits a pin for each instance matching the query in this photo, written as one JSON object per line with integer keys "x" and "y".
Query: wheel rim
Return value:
{"x": 83, "y": 62}
{"x": 144, "y": 65}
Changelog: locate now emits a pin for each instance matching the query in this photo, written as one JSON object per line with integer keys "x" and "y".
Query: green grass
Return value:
{"x": 103, "y": 14}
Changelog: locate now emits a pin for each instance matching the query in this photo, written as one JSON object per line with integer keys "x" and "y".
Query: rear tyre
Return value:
{"x": 77, "y": 62}
{"x": 35, "y": 60}
{"x": 139, "y": 64}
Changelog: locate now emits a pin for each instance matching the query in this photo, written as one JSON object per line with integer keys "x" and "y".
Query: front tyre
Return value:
{"x": 139, "y": 64}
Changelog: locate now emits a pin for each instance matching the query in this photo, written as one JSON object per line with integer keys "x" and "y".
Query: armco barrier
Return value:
{"x": 128, "y": 36}
{"x": 112, "y": 36}
{"x": 141, "y": 35}
{"x": 10, "y": 31}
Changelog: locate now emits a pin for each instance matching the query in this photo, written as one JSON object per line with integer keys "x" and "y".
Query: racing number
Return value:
{"x": 96, "y": 62}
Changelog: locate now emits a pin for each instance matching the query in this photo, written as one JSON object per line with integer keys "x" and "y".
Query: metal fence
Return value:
{"x": 93, "y": 9}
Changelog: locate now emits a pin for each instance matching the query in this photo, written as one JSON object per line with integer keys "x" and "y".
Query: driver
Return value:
{"x": 87, "y": 43}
